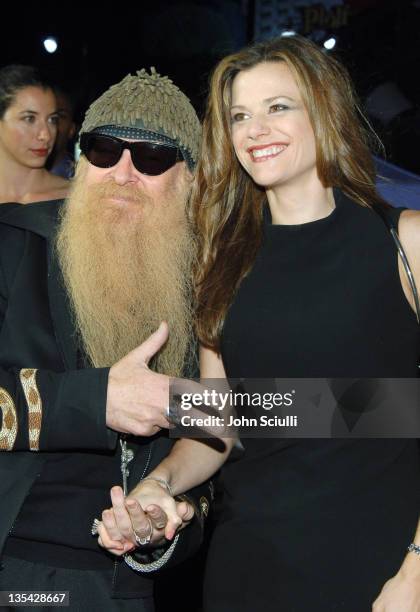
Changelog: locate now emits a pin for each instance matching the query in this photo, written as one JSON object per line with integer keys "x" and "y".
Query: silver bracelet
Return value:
{"x": 415, "y": 548}
{"x": 161, "y": 481}
{"x": 154, "y": 565}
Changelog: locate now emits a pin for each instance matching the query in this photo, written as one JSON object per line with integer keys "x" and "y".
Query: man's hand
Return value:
{"x": 126, "y": 518}
{"x": 136, "y": 396}
{"x": 402, "y": 592}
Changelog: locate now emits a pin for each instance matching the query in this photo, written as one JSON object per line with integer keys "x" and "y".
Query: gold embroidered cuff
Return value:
{"x": 33, "y": 400}
{"x": 9, "y": 429}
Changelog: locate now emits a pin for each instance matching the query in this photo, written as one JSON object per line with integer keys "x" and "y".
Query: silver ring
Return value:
{"x": 142, "y": 541}
{"x": 171, "y": 415}
{"x": 94, "y": 528}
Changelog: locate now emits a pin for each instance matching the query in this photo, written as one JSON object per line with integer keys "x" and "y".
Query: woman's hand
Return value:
{"x": 402, "y": 592}
{"x": 150, "y": 493}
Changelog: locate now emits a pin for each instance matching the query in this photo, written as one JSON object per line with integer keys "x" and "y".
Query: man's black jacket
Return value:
{"x": 48, "y": 405}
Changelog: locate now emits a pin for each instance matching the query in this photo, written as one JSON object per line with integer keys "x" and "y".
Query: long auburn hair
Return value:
{"x": 227, "y": 205}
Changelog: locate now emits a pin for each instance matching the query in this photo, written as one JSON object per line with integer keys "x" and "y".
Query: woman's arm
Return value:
{"x": 402, "y": 591}
{"x": 189, "y": 463}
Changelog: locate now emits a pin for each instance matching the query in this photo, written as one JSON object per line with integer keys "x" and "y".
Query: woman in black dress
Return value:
{"x": 299, "y": 277}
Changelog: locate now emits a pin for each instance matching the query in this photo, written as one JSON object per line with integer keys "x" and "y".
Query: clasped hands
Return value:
{"x": 148, "y": 512}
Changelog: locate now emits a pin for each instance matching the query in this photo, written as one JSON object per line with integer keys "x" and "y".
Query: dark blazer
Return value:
{"x": 59, "y": 406}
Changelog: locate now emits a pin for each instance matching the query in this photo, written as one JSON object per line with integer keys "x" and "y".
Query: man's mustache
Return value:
{"x": 111, "y": 189}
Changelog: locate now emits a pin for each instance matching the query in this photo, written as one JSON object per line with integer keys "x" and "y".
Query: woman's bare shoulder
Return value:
{"x": 409, "y": 229}
{"x": 409, "y": 232}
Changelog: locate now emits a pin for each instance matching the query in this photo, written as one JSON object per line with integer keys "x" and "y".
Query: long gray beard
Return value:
{"x": 124, "y": 278}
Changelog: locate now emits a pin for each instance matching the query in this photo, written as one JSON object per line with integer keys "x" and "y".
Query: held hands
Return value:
{"x": 150, "y": 493}
{"x": 137, "y": 397}
{"x": 126, "y": 519}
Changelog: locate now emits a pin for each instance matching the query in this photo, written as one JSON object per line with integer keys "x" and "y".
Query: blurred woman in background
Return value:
{"x": 28, "y": 128}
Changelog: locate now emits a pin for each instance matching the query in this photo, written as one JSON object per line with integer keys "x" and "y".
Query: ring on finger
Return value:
{"x": 172, "y": 415}
{"x": 95, "y": 525}
{"x": 143, "y": 540}
{"x": 160, "y": 525}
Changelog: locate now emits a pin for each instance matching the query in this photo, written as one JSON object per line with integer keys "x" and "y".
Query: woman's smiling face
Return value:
{"x": 271, "y": 131}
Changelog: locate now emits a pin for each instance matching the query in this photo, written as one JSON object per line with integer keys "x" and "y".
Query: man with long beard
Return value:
{"x": 84, "y": 286}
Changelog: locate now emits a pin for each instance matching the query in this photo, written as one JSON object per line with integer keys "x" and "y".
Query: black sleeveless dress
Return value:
{"x": 317, "y": 525}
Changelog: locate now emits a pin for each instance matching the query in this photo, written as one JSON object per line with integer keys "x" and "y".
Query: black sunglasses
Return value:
{"x": 148, "y": 157}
